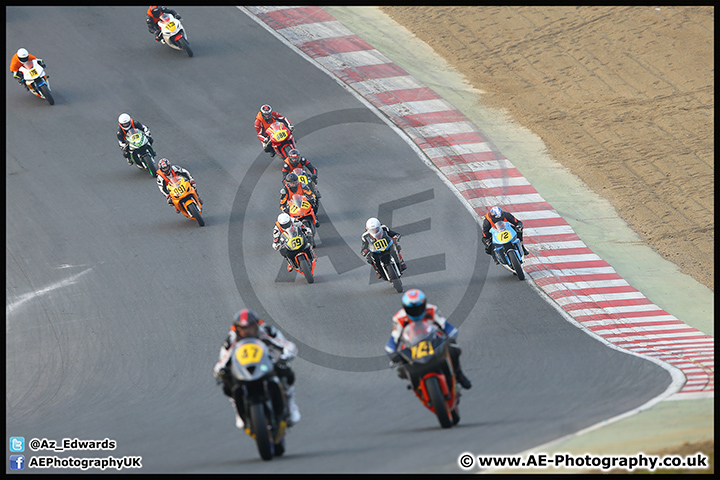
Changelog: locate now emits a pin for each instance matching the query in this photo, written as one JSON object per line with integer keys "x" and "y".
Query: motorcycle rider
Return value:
{"x": 247, "y": 324}
{"x": 416, "y": 309}
{"x": 291, "y": 186}
{"x": 165, "y": 172}
{"x": 126, "y": 123}
{"x": 266, "y": 117}
{"x": 374, "y": 230}
{"x": 496, "y": 214}
{"x": 282, "y": 224}
{"x": 17, "y": 60}
{"x": 295, "y": 160}
{"x": 153, "y": 16}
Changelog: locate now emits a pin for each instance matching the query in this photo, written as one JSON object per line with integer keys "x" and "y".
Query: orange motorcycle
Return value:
{"x": 281, "y": 139}
{"x": 424, "y": 350}
{"x": 185, "y": 198}
{"x": 299, "y": 207}
{"x": 306, "y": 177}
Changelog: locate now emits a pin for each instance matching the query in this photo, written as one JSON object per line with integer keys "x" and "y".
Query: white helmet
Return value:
{"x": 22, "y": 55}
{"x": 284, "y": 220}
{"x": 124, "y": 120}
{"x": 373, "y": 226}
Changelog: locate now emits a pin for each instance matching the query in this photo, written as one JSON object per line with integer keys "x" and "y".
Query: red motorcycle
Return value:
{"x": 424, "y": 349}
{"x": 281, "y": 139}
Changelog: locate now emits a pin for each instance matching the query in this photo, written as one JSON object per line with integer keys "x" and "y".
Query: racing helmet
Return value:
{"x": 293, "y": 158}
{"x": 164, "y": 165}
{"x": 245, "y": 323}
{"x": 155, "y": 10}
{"x": 284, "y": 221}
{"x": 266, "y": 112}
{"x": 496, "y": 214}
{"x": 22, "y": 55}
{"x": 414, "y": 303}
{"x": 374, "y": 227}
{"x": 292, "y": 181}
{"x": 124, "y": 121}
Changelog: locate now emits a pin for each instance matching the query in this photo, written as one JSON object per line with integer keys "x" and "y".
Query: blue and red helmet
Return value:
{"x": 414, "y": 303}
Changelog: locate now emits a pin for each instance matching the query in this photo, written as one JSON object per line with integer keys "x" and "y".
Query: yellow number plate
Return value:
{"x": 249, "y": 353}
{"x": 504, "y": 236}
{"x": 422, "y": 349}
{"x": 295, "y": 243}
{"x": 381, "y": 244}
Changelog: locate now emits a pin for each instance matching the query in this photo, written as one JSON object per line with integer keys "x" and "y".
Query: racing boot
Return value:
{"x": 525, "y": 250}
{"x": 292, "y": 406}
{"x": 239, "y": 423}
{"x": 403, "y": 267}
{"x": 463, "y": 380}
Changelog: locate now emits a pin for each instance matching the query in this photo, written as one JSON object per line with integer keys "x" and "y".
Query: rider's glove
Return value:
{"x": 158, "y": 36}
{"x": 314, "y": 177}
{"x": 178, "y": 17}
{"x": 18, "y": 76}
{"x": 192, "y": 182}
{"x": 519, "y": 227}
{"x": 272, "y": 331}
{"x": 126, "y": 153}
{"x": 150, "y": 139}
{"x": 365, "y": 252}
{"x": 395, "y": 359}
{"x": 169, "y": 200}
{"x": 42, "y": 62}
{"x": 397, "y": 237}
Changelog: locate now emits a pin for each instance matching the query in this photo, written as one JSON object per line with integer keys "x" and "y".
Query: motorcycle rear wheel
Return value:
{"x": 437, "y": 400}
{"x": 306, "y": 270}
{"x": 262, "y": 433}
{"x": 515, "y": 262}
{"x": 193, "y": 211}
{"x": 46, "y": 93}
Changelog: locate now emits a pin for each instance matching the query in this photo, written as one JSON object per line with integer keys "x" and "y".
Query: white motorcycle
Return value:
{"x": 173, "y": 33}
{"x": 36, "y": 80}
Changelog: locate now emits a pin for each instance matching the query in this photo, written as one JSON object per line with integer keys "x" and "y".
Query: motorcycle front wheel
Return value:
{"x": 261, "y": 430}
{"x": 305, "y": 269}
{"x": 45, "y": 90}
{"x": 195, "y": 213}
{"x": 437, "y": 400}
{"x": 515, "y": 262}
{"x": 149, "y": 164}
{"x": 186, "y": 46}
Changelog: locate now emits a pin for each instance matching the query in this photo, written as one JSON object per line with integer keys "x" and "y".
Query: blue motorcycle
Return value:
{"x": 508, "y": 251}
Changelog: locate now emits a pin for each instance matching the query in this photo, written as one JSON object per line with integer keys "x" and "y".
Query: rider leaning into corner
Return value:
{"x": 165, "y": 172}
{"x": 247, "y": 324}
{"x": 266, "y": 117}
{"x": 17, "y": 61}
{"x": 374, "y": 230}
{"x": 416, "y": 309}
{"x": 495, "y": 215}
{"x": 153, "y": 16}
{"x": 126, "y": 123}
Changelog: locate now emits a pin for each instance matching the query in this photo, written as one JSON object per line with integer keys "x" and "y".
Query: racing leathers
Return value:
{"x": 163, "y": 179}
{"x": 372, "y": 258}
{"x": 283, "y": 351}
{"x": 400, "y": 320}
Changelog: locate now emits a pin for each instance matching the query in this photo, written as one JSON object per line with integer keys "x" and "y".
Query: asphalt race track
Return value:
{"x": 116, "y": 307}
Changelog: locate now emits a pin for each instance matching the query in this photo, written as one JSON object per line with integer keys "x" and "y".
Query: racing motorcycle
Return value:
{"x": 300, "y": 252}
{"x": 140, "y": 152}
{"x": 281, "y": 139}
{"x": 185, "y": 198}
{"x": 36, "y": 80}
{"x": 507, "y": 249}
{"x": 384, "y": 250}
{"x": 425, "y": 353}
{"x": 299, "y": 207}
{"x": 306, "y": 177}
{"x": 263, "y": 396}
{"x": 173, "y": 33}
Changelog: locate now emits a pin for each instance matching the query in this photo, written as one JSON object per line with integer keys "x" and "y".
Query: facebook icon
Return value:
{"x": 17, "y": 462}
